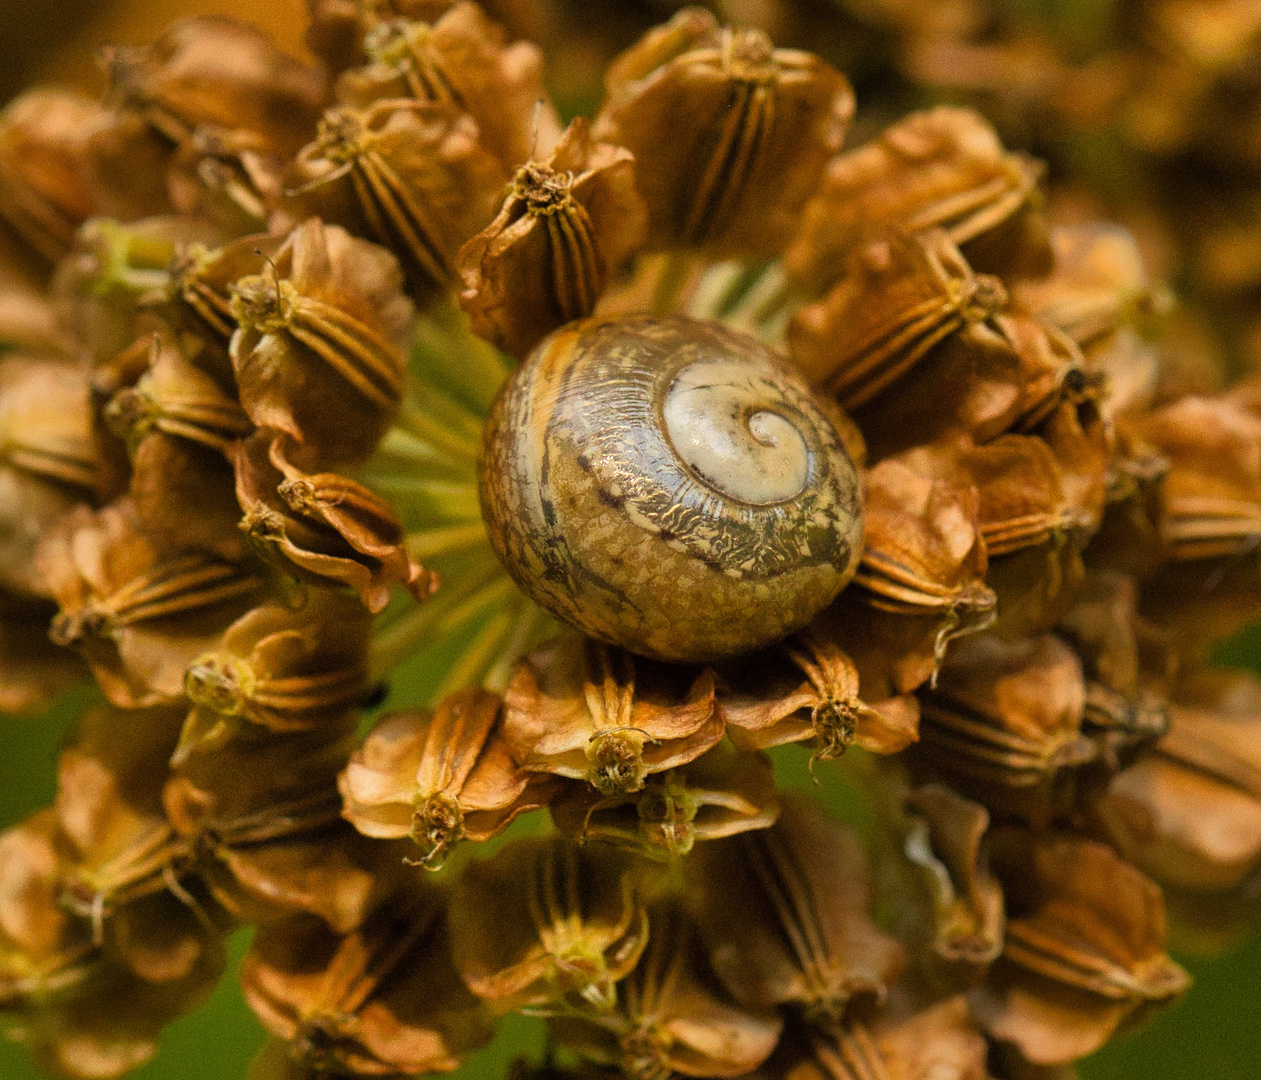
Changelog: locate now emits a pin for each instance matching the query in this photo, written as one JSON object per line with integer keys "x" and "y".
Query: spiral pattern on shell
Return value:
{"x": 667, "y": 485}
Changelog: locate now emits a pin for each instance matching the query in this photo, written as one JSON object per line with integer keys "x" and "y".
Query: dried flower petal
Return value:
{"x": 593, "y": 712}
{"x": 723, "y": 792}
{"x": 379, "y": 1001}
{"x": 568, "y": 223}
{"x": 730, "y": 134}
{"x": 1084, "y": 952}
{"x": 544, "y": 922}
{"x": 439, "y": 777}
{"x": 322, "y": 343}
{"x": 323, "y": 528}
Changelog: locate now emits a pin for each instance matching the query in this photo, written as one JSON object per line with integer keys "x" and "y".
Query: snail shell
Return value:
{"x": 668, "y": 486}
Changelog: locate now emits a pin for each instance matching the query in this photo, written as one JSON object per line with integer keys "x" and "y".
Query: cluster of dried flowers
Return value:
{"x": 236, "y": 280}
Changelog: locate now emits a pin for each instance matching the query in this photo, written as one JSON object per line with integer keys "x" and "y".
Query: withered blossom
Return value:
{"x": 50, "y": 459}
{"x": 285, "y": 666}
{"x": 1190, "y": 814}
{"x": 921, "y": 580}
{"x": 45, "y": 189}
{"x": 784, "y": 912}
{"x": 941, "y": 168}
{"x": 936, "y": 1043}
{"x": 673, "y": 1017}
{"x": 213, "y": 70}
{"x": 178, "y": 423}
{"x": 439, "y": 777}
{"x": 323, "y": 528}
{"x": 723, "y": 792}
{"x": 232, "y": 177}
{"x": 1212, "y": 492}
{"x": 260, "y": 822}
{"x": 321, "y": 345}
{"x": 408, "y": 174}
{"x": 1083, "y": 954}
{"x": 924, "y": 291}
{"x": 461, "y": 59}
{"x": 807, "y": 690}
{"x": 568, "y": 224}
{"x": 1004, "y": 720}
{"x": 946, "y": 842}
{"x": 730, "y": 135}
{"x": 139, "y": 615}
{"x": 590, "y": 711}
{"x": 382, "y": 1000}
{"x": 337, "y": 28}
{"x": 548, "y": 924}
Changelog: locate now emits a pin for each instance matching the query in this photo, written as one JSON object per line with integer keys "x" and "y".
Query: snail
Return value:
{"x": 669, "y": 486}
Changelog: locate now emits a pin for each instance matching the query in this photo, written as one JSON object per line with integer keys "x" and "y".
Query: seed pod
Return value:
{"x": 667, "y": 486}
{"x": 567, "y": 225}
{"x": 546, "y": 923}
{"x": 1003, "y": 720}
{"x": 730, "y": 134}
{"x": 439, "y": 777}
{"x": 672, "y": 1019}
{"x": 288, "y": 668}
{"x": 323, "y": 528}
{"x": 380, "y": 1000}
{"x": 138, "y": 614}
{"x": 410, "y": 175}
{"x": 1084, "y": 950}
{"x": 322, "y": 343}
{"x": 942, "y": 168}
{"x": 461, "y": 60}
{"x": 581, "y": 709}
{"x": 784, "y": 912}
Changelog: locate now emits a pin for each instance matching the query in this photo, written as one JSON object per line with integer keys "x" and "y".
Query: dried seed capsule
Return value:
{"x": 568, "y": 223}
{"x": 666, "y": 485}
{"x": 729, "y": 133}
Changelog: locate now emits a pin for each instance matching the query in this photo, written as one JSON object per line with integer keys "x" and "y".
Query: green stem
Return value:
{"x": 415, "y": 422}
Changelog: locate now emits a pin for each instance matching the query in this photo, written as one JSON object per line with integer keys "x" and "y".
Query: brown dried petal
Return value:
{"x": 723, "y": 792}
{"x": 544, "y": 922}
{"x": 565, "y": 228}
{"x": 1004, "y": 718}
{"x": 33, "y": 671}
{"x": 211, "y": 70}
{"x": 461, "y": 59}
{"x": 286, "y": 667}
{"x": 138, "y": 616}
{"x": 673, "y": 1019}
{"x": 438, "y": 777}
{"x": 941, "y": 168}
{"x": 945, "y": 841}
{"x": 925, "y": 291}
{"x": 230, "y": 177}
{"x": 1212, "y": 493}
{"x": 45, "y": 191}
{"x": 379, "y": 1001}
{"x": 1084, "y": 953}
{"x": 410, "y": 175}
{"x": 808, "y": 689}
{"x": 322, "y": 343}
{"x": 587, "y": 710}
{"x": 785, "y": 913}
{"x": 730, "y": 135}
{"x": 323, "y": 528}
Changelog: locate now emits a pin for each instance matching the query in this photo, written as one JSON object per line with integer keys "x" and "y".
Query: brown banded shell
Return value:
{"x": 668, "y": 486}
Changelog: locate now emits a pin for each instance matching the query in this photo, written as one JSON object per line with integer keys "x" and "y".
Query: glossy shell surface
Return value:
{"x": 668, "y": 485}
